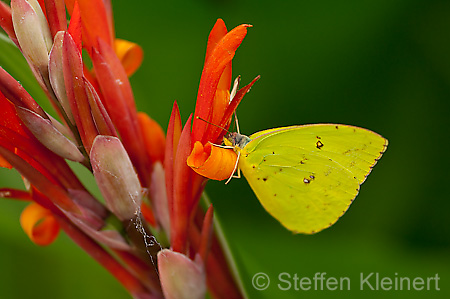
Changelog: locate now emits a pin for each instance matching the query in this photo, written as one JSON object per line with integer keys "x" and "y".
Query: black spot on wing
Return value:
{"x": 309, "y": 179}
{"x": 319, "y": 144}
{"x": 303, "y": 161}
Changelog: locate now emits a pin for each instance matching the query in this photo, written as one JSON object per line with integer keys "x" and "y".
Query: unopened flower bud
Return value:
{"x": 32, "y": 31}
{"x": 49, "y": 136}
{"x": 180, "y": 276}
{"x": 56, "y": 75}
{"x": 116, "y": 177}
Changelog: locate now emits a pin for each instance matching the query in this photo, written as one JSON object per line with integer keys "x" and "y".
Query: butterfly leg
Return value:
{"x": 238, "y": 176}
{"x": 237, "y": 123}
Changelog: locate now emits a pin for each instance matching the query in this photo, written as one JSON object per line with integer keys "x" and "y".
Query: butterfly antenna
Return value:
{"x": 197, "y": 117}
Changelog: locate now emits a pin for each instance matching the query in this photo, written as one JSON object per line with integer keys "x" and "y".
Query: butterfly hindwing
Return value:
{"x": 307, "y": 176}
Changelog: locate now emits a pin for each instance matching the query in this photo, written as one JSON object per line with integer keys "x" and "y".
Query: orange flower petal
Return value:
{"x": 130, "y": 54}
{"x": 217, "y": 33}
{"x": 220, "y": 105}
{"x": 39, "y": 224}
{"x": 4, "y": 163}
{"x": 75, "y": 27}
{"x": 154, "y": 138}
{"x": 218, "y": 60}
{"x": 211, "y": 161}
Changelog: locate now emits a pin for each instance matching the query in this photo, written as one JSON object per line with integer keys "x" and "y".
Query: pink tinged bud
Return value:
{"x": 32, "y": 31}
{"x": 49, "y": 136}
{"x": 110, "y": 238}
{"x": 116, "y": 177}
{"x": 180, "y": 276}
{"x": 56, "y": 74}
{"x": 62, "y": 128}
{"x": 159, "y": 197}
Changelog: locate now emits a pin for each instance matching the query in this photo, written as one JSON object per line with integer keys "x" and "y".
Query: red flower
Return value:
{"x": 183, "y": 146}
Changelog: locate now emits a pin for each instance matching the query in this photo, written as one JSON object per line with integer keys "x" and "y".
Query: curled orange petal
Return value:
{"x": 153, "y": 136}
{"x": 39, "y": 224}
{"x": 130, "y": 54}
{"x": 212, "y": 161}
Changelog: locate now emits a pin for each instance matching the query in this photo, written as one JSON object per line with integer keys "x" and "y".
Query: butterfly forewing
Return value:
{"x": 307, "y": 176}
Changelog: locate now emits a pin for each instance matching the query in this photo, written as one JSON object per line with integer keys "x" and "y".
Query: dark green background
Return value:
{"x": 383, "y": 65}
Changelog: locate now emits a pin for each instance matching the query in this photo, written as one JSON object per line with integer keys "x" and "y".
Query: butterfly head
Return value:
{"x": 236, "y": 140}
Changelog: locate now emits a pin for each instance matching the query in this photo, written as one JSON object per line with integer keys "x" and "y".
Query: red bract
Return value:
{"x": 56, "y": 15}
{"x": 97, "y": 22}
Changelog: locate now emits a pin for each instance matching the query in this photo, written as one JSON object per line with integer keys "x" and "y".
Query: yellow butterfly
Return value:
{"x": 307, "y": 176}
